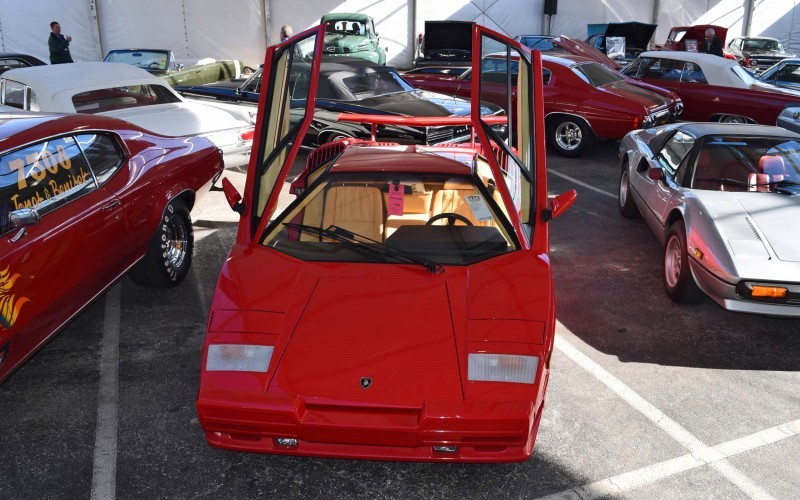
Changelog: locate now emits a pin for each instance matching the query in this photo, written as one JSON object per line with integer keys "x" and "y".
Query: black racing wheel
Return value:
{"x": 451, "y": 219}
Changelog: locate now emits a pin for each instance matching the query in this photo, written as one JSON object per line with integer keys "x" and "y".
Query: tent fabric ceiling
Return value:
{"x": 241, "y": 29}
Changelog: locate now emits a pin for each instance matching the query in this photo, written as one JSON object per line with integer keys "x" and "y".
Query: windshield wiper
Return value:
{"x": 361, "y": 242}
{"x": 725, "y": 180}
{"x": 777, "y": 184}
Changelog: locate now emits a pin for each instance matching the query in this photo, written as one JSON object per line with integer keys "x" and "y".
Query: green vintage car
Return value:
{"x": 352, "y": 35}
{"x": 161, "y": 62}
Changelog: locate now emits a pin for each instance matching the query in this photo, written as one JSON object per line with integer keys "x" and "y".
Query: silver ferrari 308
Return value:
{"x": 724, "y": 200}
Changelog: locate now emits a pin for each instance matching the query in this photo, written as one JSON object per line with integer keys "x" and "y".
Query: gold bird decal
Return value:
{"x": 10, "y": 305}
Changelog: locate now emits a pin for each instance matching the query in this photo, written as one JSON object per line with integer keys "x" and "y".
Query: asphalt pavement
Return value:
{"x": 647, "y": 399}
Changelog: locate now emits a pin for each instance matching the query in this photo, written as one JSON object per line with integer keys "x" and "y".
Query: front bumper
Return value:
{"x": 481, "y": 431}
{"x": 724, "y": 294}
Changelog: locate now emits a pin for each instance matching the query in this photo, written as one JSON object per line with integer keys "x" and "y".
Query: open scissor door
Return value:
{"x": 285, "y": 110}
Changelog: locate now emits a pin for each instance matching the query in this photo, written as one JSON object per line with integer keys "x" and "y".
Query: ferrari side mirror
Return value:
{"x": 560, "y": 204}
{"x": 233, "y": 196}
{"x": 655, "y": 173}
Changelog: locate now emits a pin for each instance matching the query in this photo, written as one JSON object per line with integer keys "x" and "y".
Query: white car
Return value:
{"x": 128, "y": 93}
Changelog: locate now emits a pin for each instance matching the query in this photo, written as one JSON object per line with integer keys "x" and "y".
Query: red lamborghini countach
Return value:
{"x": 401, "y": 307}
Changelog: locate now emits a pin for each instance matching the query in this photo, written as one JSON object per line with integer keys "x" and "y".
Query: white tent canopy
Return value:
{"x": 241, "y": 29}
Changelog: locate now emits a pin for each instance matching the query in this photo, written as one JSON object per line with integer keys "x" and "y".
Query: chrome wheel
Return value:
{"x": 568, "y": 136}
{"x": 672, "y": 261}
{"x": 732, "y": 119}
{"x": 176, "y": 240}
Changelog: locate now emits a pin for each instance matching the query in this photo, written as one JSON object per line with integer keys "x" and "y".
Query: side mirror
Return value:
{"x": 560, "y": 204}
{"x": 655, "y": 173}
{"x": 23, "y": 217}
{"x": 233, "y": 196}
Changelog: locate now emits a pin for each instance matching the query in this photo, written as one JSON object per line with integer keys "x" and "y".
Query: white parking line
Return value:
{"x": 656, "y": 472}
{"x": 104, "y": 471}
{"x": 698, "y": 449}
{"x": 581, "y": 183}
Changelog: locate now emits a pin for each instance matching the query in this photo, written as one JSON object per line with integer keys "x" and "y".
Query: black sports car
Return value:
{"x": 13, "y": 60}
{"x": 361, "y": 87}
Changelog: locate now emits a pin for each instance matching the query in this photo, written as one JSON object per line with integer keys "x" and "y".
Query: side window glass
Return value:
{"x": 43, "y": 176}
{"x": 674, "y": 152}
{"x": 546, "y": 75}
{"x": 104, "y": 155}
{"x": 693, "y": 74}
{"x": 14, "y": 94}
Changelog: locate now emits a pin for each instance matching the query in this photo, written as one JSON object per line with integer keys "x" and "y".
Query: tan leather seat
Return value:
{"x": 452, "y": 198}
{"x": 416, "y": 208}
{"x": 355, "y": 208}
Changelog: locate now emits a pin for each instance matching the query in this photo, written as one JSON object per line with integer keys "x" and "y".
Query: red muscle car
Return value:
{"x": 84, "y": 199}
{"x": 401, "y": 308}
{"x": 583, "y": 99}
{"x": 712, "y": 88}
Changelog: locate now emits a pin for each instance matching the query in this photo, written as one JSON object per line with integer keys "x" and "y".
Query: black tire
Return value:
{"x": 332, "y": 136}
{"x": 676, "y": 274}
{"x": 627, "y": 207}
{"x": 569, "y": 136}
{"x": 169, "y": 255}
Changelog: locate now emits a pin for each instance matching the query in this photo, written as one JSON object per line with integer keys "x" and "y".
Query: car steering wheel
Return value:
{"x": 451, "y": 219}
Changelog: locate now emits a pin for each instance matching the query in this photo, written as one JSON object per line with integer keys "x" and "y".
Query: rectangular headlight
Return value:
{"x": 502, "y": 368}
{"x": 238, "y": 358}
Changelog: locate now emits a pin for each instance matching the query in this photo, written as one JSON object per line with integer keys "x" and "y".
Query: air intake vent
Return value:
{"x": 739, "y": 229}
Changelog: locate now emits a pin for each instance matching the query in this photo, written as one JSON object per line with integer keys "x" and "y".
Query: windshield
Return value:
{"x": 360, "y": 83}
{"x": 762, "y": 164}
{"x": 744, "y": 75}
{"x": 595, "y": 74}
{"x": 393, "y": 217}
{"x": 147, "y": 59}
{"x": 762, "y": 44}
{"x": 346, "y": 27}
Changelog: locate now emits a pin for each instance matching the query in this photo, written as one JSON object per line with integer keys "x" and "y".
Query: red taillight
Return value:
{"x": 637, "y": 120}
{"x": 247, "y": 135}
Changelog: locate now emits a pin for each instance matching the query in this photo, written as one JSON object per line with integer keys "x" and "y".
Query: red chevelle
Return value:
{"x": 95, "y": 189}
{"x": 583, "y": 99}
{"x": 401, "y": 308}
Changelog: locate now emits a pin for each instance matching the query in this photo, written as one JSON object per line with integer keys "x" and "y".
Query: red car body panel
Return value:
{"x": 116, "y": 221}
{"x": 762, "y": 103}
{"x": 408, "y": 328}
{"x": 611, "y": 111}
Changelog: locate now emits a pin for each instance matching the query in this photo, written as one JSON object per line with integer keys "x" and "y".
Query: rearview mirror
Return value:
{"x": 561, "y": 203}
{"x": 233, "y": 196}
{"x": 655, "y": 173}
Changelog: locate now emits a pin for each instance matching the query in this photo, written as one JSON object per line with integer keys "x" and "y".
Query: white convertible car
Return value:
{"x": 128, "y": 93}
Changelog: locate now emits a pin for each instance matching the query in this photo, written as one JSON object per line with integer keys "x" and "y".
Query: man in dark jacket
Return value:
{"x": 712, "y": 44}
{"x": 59, "y": 45}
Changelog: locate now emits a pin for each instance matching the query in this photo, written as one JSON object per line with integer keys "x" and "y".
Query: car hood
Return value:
{"x": 647, "y": 98}
{"x": 423, "y": 103}
{"x": 637, "y": 35}
{"x": 342, "y": 41}
{"x": 178, "y": 119}
{"x": 581, "y": 48}
{"x": 331, "y": 351}
{"x": 777, "y": 216}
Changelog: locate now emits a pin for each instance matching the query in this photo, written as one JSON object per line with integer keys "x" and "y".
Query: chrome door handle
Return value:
{"x": 111, "y": 206}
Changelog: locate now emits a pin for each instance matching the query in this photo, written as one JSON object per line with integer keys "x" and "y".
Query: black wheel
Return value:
{"x": 677, "y": 277}
{"x": 569, "y": 136}
{"x": 169, "y": 255}
{"x": 627, "y": 207}
{"x": 451, "y": 219}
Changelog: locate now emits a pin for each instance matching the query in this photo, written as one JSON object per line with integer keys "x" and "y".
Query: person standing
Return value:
{"x": 59, "y": 45}
{"x": 712, "y": 43}
{"x": 286, "y": 32}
